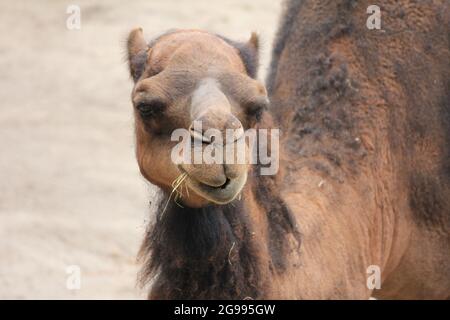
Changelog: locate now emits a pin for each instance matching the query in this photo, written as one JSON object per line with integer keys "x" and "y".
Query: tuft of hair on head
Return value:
{"x": 137, "y": 52}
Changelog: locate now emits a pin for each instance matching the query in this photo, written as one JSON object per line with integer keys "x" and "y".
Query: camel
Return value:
{"x": 364, "y": 176}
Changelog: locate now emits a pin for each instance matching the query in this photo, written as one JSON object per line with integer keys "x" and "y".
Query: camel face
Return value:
{"x": 198, "y": 82}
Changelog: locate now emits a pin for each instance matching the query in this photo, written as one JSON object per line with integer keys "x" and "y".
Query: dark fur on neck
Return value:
{"x": 211, "y": 252}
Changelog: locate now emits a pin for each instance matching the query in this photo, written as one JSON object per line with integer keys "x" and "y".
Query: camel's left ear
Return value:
{"x": 249, "y": 53}
{"x": 253, "y": 42}
{"x": 137, "y": 50}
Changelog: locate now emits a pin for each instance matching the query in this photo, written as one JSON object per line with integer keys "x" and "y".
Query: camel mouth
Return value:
{"x": 222, "y": 194}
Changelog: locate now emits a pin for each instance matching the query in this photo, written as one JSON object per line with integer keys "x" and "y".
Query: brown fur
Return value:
{"x": 365, "y": 172}
{"x": 214, "y": 252}
{"x": 370, "y": 110}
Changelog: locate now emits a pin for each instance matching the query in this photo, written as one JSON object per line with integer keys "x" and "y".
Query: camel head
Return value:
{"x": 205, "y": 85}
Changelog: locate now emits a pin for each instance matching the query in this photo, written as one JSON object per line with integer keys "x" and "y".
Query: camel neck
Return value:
{"x": 190, "y": 251}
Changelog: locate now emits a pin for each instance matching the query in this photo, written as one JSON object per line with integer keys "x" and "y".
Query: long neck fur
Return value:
{"x": 214, "y": 252}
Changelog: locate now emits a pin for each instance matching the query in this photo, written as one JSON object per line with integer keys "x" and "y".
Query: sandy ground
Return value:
{"x": 70, "y": 190}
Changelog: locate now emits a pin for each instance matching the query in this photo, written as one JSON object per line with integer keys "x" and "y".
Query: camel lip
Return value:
{"x": 220, "y": 195}
{"x": 223, "y": 186}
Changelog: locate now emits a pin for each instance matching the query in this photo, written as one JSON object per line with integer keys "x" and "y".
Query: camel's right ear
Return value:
{"x": 137, "y": 49}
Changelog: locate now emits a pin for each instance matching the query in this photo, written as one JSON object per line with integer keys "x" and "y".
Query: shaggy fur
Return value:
{"x": 202, "y": 253}
{"x": 210, "y": 252}
{"x": 365, "y": 119}
{"x": 320, "y": 112}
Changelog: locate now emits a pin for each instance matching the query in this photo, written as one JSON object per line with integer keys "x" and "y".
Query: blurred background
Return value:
{"x": 70, "y": 189}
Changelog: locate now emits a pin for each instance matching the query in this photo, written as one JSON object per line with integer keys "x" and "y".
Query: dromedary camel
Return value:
{"x": 364, "y": 175}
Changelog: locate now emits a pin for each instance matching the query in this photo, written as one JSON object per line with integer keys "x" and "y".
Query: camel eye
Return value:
{"x": 151, "y": 109}
{"x": 256, "y": 107}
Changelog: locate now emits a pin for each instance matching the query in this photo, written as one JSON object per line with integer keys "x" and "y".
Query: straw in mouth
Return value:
{"x": 177, "y": 190}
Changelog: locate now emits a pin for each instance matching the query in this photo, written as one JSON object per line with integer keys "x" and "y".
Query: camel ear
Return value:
{"x": 253, "y": 42}
{"x": 249, "y": 53}
{"x": 137, "y": 53}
